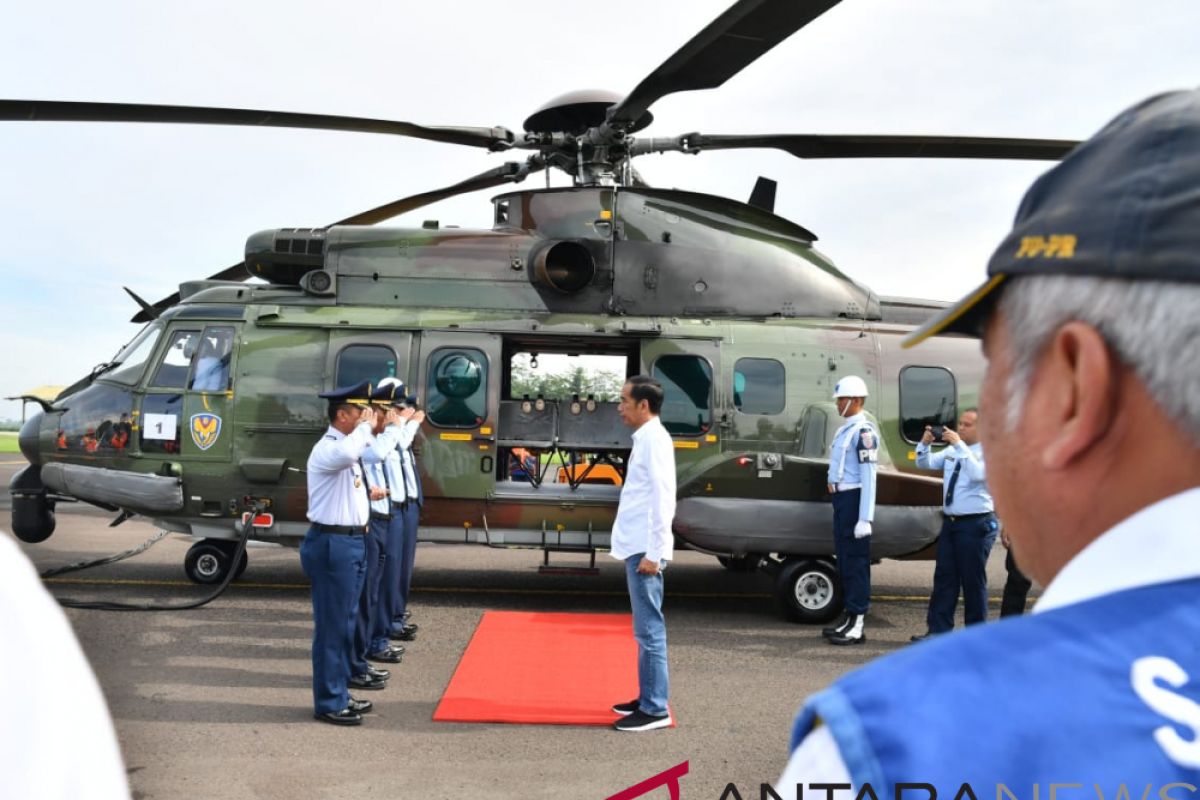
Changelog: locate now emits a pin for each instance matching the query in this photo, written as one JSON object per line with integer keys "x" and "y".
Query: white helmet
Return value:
{"x": 850, "y": 386}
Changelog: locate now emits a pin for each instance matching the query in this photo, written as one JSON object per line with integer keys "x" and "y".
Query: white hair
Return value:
{"x": 1153, "y": 327}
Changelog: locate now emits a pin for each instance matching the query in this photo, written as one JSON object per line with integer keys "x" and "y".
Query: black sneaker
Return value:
{"x": 625, "y": 709}
{"x": 360, "y": 706}
{"x": 641, "y": 721}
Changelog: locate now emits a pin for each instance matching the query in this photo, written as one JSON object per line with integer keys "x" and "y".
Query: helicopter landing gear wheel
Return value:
{"x": 746, "y": 563}
{"x": 209, "y": 561}
{"x": 808, "y": 591}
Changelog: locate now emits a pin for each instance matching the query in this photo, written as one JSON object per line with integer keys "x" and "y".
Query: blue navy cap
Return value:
{"x": 393, "y": 390}
{"x": 358, "y": 394}
{"x": 1123, "y": 204}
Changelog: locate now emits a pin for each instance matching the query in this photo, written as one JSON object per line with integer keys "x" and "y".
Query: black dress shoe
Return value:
{"x": 920, "y": 637}
{"x": 390, "y": 656}
{"x": 347, "y": 716}
{"x": 376, "y": 672}
{"x": 360, "y": 706}
{"x": 407, "y": 614}
{"x": 406, "y": 634}
{"x": 368, "y": 682}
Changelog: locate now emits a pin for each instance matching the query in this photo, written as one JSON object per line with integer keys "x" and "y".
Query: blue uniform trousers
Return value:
{"x": 412, "y": 518}
{"x": 962, "y": 554}
{"x": 368, "y": 601}
{"x": 389, "y": 582}
{"x": 336, "y": 565}
{"x": 853, "y": 555}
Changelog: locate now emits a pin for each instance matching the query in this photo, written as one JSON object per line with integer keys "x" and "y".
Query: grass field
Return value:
{"x": 8, "y": 442}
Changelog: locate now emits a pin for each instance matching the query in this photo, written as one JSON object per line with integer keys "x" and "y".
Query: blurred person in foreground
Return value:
{"x": 1090, "y": 416}
{"x": 56, "y": 737}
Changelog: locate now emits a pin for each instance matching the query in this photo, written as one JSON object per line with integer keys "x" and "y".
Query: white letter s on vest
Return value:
{"x": 1177, "y": 708}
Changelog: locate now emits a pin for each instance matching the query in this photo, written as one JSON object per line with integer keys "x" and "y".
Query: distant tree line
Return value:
{"x": 604, "y": 385}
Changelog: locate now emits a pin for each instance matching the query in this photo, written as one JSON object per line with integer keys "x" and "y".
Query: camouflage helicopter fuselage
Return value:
{"x": 715, "y": 287}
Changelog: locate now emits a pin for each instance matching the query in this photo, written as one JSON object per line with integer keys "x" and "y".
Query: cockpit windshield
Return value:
{"x": 130, "y": 363}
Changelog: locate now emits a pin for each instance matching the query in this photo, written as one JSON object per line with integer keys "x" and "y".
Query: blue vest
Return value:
{"x": 1099, "y": 693}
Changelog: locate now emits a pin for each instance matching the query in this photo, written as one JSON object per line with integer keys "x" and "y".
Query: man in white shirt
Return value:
{"x": 1090, "y": 415}
{"x": 642, "y": 538}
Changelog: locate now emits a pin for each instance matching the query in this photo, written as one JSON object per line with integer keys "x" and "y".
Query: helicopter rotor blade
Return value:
{"x": 868, "y": 146}
{"x": 510, "y": 172}
{"x": 497, "y": 138}
{"x": 730, "y": 43}
{"x": 235, "y": 272}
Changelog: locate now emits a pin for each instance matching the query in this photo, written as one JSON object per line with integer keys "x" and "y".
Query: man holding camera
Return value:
{"x": 969, "y": 526}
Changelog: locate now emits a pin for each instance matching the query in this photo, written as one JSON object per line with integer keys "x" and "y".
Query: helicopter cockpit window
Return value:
{"x": 173, "y": 369}
{"x": 758, "y": 386}
{"x": 927, "y": 397}
{"x": 687, "y": 389}
{"x": 456, "y": 394}
{"x": 365, "y": 362}
{"x": 211, "y": 370}
{"x": 131, "y": 361}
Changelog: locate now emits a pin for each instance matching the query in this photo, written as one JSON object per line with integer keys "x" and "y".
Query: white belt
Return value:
{"x": 845, "y": 487}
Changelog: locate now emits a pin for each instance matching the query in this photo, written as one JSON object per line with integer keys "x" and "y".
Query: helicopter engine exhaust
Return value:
{"x": 565, "y": 267}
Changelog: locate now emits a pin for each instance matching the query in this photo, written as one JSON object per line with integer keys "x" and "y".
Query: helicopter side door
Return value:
{"x": 459, "y": 389}
{"x": 187, "y": 401}
{"x": 688, "y": 370}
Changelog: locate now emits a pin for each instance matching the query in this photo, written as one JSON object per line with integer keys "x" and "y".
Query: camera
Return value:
{"x": 938, "y": 430}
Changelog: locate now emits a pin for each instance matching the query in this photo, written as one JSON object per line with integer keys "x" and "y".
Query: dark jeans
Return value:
{"x": 1016, "y": 589}
{"x": 962, "y": 555}
{"x": 853, "y": 555}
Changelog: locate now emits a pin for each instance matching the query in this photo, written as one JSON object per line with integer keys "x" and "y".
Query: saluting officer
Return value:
{"x": 333, "y": 552}
{"x": 363, "y": 675}
{"x": 411, "y": 512}
{"x": 968, "y": 526}
{"x": 851, "y": 485}
{"x": 383, "y": 457}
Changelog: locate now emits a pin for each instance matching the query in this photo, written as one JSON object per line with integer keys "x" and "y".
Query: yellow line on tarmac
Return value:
{"x": 885, "y": 598}
{"x": 10, "y": 463}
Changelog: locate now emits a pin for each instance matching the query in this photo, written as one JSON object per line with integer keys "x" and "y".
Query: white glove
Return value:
{"x": 862, "y": 529}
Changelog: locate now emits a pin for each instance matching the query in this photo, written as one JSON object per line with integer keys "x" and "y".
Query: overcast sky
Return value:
{"x": 85, "y": 209}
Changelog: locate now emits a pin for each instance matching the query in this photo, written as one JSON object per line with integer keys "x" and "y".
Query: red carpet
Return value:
{"x": 556, "y": 669}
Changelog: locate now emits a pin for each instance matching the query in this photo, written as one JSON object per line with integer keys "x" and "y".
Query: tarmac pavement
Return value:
{"x": 216, "y": 702}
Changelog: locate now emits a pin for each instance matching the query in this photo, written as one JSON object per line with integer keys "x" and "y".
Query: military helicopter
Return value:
{"x": 206, "y": 417}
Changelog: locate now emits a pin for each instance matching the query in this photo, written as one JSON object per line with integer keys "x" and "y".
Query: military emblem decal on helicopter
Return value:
{"x": 206, "y": 428}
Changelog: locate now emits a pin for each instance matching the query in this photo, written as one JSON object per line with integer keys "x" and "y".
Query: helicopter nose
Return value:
{"x": 27, "y": 439}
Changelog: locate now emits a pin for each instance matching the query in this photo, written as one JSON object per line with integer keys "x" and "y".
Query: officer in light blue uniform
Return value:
{"x": 969, "y": 526}
{"x": 411, "y": 511}
{"x": 333, "y": 552}
{"x": 851, "y": 485}
{"x": 384, "y": 457}
{"x": 370, "y": 610}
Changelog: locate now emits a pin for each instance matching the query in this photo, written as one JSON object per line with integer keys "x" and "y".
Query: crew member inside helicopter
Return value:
{"x": 212, "y": 362}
